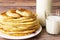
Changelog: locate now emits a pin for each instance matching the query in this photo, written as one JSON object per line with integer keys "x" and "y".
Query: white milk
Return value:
{"x": 53, "y": 24}
{"x": 43, "y": 7}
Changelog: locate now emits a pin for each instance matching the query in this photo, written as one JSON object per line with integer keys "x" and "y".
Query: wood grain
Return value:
{"x": 55, "y": 2}
{"x": 24, "y": 2}
{"x": 17, "y": 2}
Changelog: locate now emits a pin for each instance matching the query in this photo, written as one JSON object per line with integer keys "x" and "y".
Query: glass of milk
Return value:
{"x": 53, "y": 23}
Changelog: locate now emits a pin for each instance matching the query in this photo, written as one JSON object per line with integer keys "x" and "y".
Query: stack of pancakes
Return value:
{"x": 18, "y": 22}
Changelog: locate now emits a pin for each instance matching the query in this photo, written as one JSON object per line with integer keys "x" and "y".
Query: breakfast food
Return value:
{"x": 18, "y": 22}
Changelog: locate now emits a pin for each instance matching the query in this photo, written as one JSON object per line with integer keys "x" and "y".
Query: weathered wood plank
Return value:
{"x": 24, "y": 2}
{"x": 17, "y": 2}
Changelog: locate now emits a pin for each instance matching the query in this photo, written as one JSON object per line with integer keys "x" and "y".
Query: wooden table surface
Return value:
{"x": 45, "y": 36}
{"x": 31, "y": 5}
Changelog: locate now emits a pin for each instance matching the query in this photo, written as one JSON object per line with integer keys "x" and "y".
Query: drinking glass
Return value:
{"x": 53, "y": 22}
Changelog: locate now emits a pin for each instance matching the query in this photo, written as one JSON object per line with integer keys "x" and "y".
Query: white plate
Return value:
{"x": 21, "y": 37}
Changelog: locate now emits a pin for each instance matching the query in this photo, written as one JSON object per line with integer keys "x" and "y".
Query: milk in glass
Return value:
{"x": 53, "y": 24}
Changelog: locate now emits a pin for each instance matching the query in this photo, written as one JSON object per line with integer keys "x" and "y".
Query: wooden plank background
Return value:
{"x": 24, "y": 3}
{"x": 30, "y": 4}
{"x": 17, "y": 2}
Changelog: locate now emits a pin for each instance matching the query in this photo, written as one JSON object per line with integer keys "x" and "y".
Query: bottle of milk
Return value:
{"x": 43, "y": 7}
